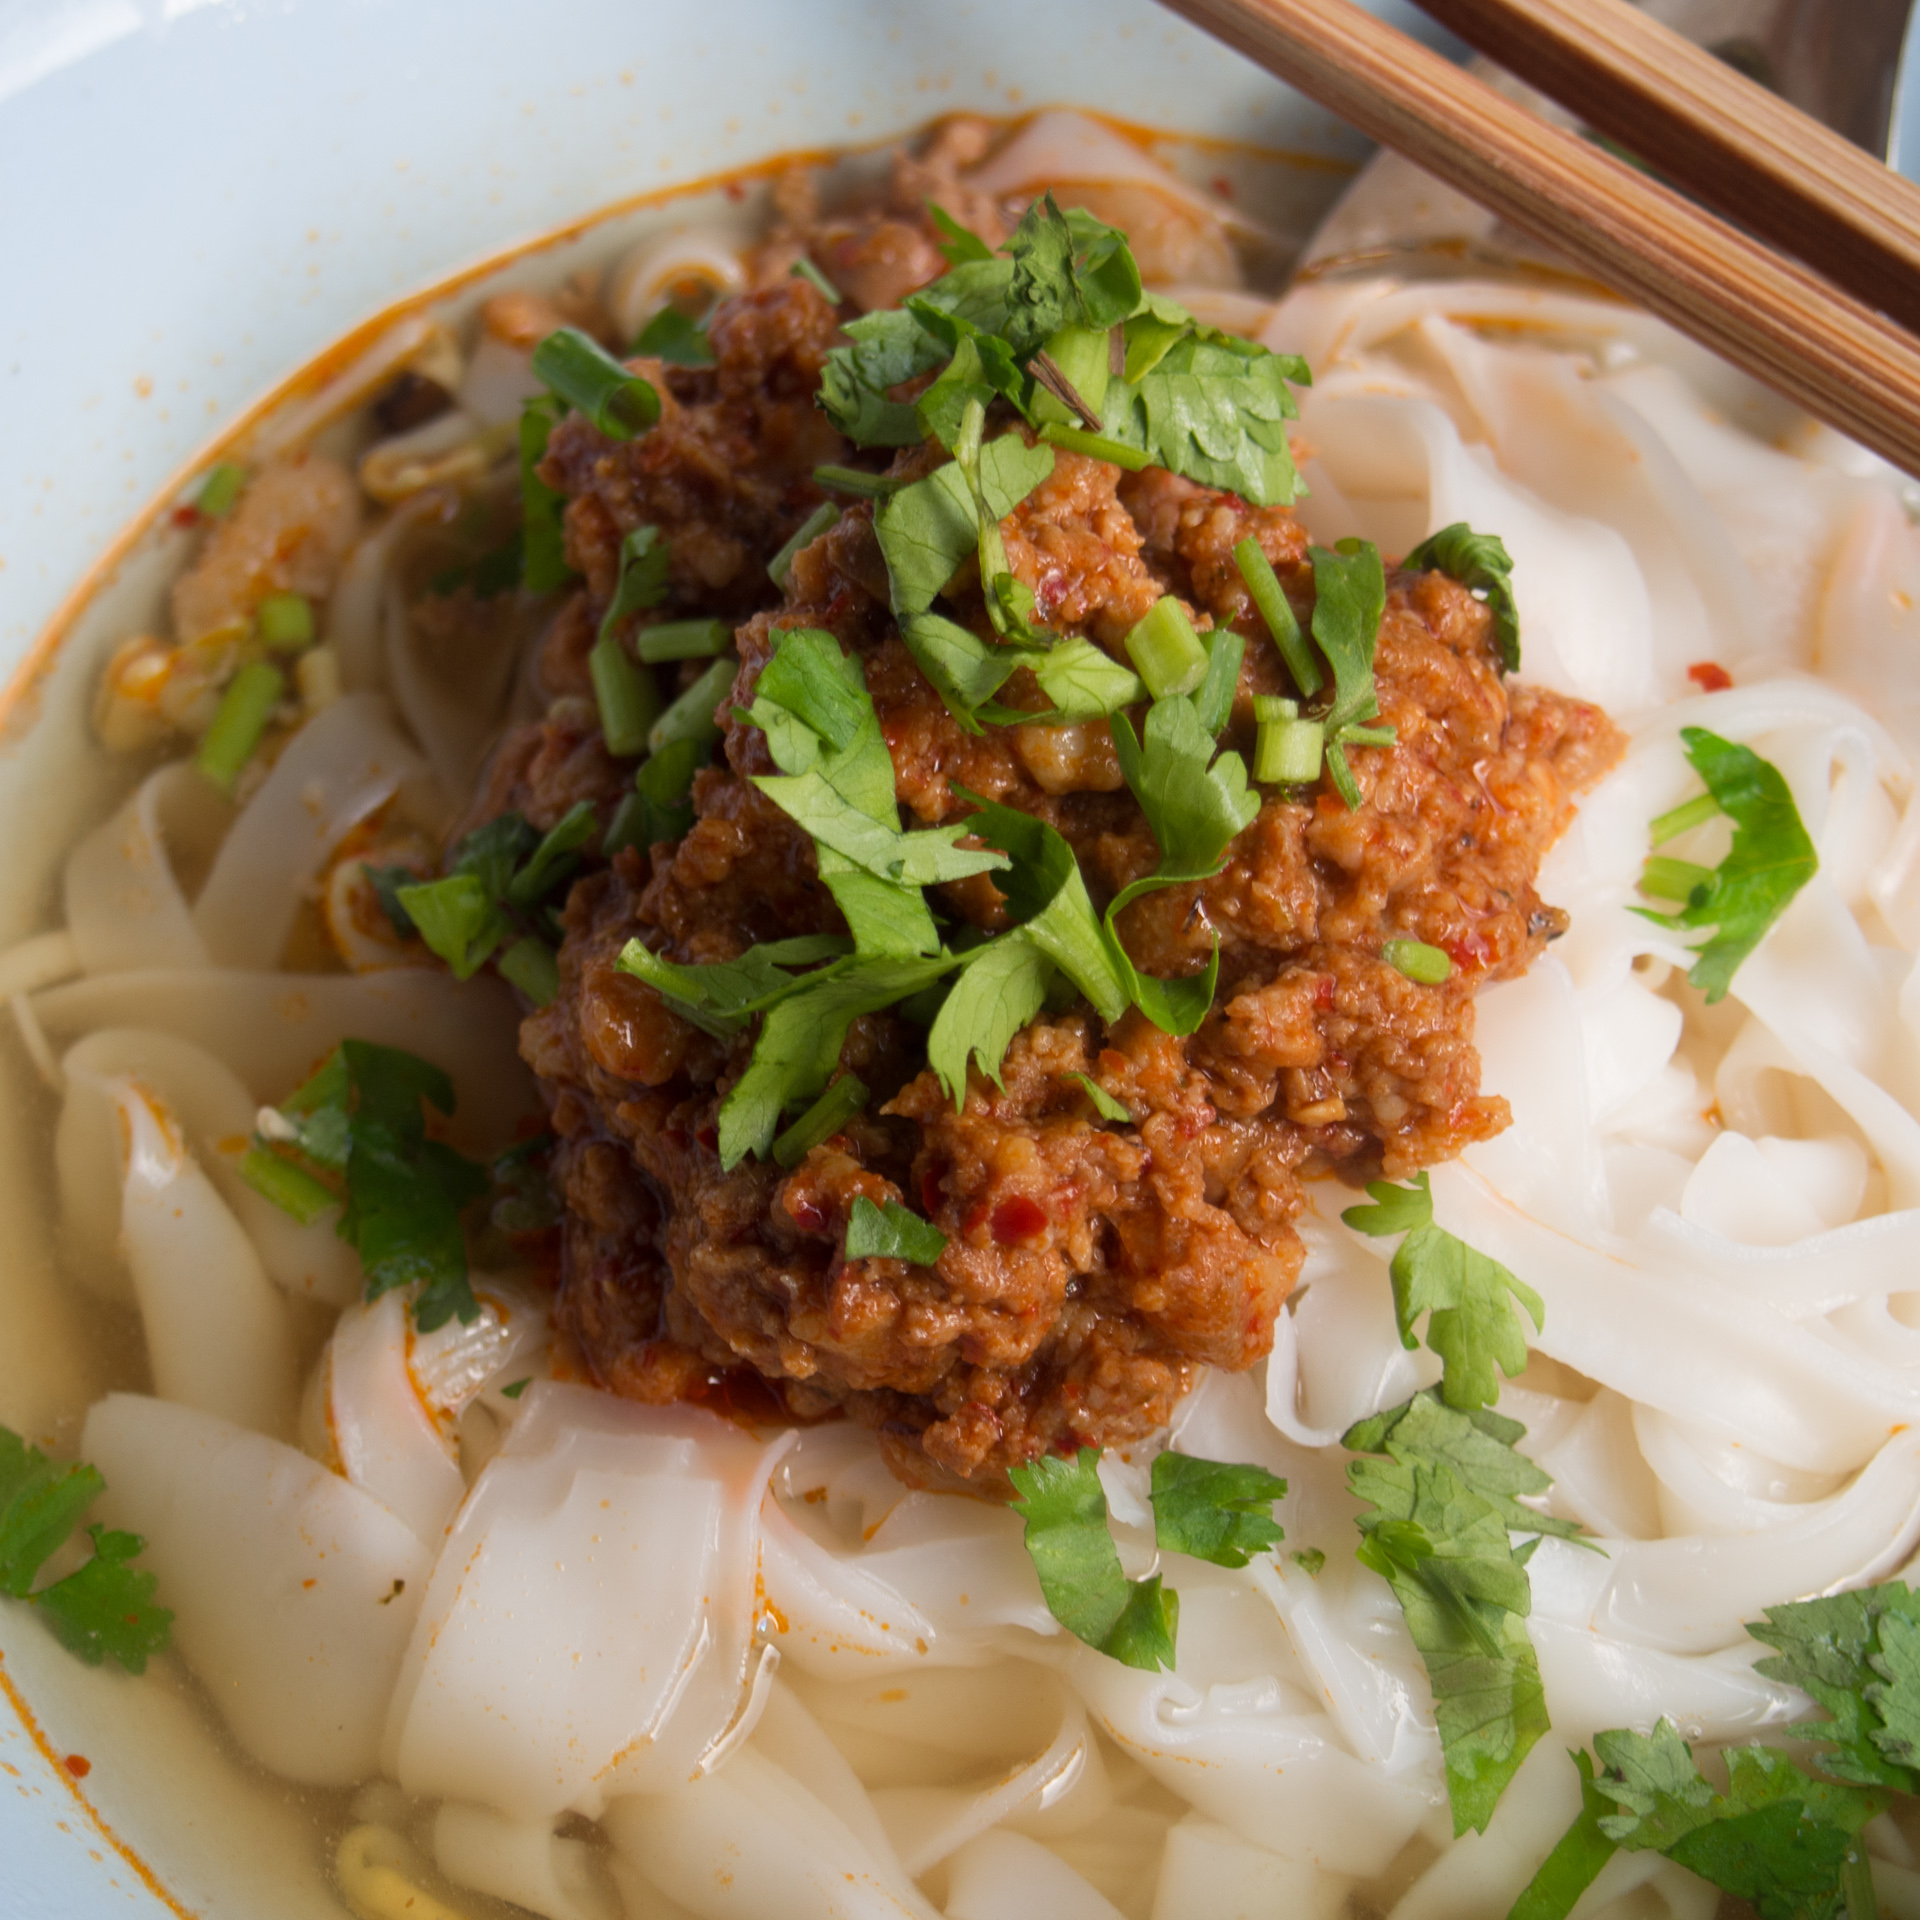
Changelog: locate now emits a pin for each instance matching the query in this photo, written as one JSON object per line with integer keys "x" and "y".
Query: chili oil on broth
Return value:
{"x": 171, "y": 1782}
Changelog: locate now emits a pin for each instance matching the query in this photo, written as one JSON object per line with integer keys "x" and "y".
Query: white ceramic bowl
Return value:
{"x": 199, "y": 195}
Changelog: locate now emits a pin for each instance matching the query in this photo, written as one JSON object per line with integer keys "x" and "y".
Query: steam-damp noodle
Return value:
{"x": 942, "y": 1073}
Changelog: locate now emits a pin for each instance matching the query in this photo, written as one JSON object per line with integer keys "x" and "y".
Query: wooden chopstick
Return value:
{"x": 1774, "y": 318}
{"x": 1775, "y": 170}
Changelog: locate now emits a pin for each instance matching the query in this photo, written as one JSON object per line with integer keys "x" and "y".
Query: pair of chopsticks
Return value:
{"x": 1820, "y": 327}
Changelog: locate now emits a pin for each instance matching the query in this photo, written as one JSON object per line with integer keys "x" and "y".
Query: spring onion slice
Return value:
{"x": 863, "y": 486}
{"x": 804, "y": 535}
{"x": 804, "y": 269}
{"x": 588, "y": 378}
{"x": 1096, "y": 446}
{"x": 1418, "y": 961}
{"x": 220, "y": 489}
{"x": 1165, "y": 650}
{"x": 532, "y": 966}
{"x": 1263, "y": 584}
{"x": 1689, "y": 814}
{"x": 240, "y": 723}
{"x": 292, "y": 1189}
{"x": 628, "y": 700}
{"x": 691, "y": 716}
{"x": 1287, "y": 752}
{"x": 682, "y": 640}
{"x": 286, "y": 622}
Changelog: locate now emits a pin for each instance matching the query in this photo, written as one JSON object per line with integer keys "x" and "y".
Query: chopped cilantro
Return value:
{"x": 804, "y": 269}
{"x": 1771, "y": 859}
{"x": 957, "y": 243}
{"x": 804, "y": 535}
{"x": 1195, "y": 801}
{"x": 457, "y": 918}
{"x": 642, "y": 579}
{"x": 1481, "y": 563}
{"x": 891, "y": 1233}
{"x": 1467, "y": 1296}
{"x": 1104, "y": 1104}
{"x": 821, "y": 1121}
{"x": 1784, "y": 1841}
{"x": 531, "y": 965}
{"x": 928, "y": 529}
{"x": 517, "y": 1389}
{"x": 1214, "y": 1511}
{"x": 103, "y": 1610}
{"x": 360, "y": 1114}
{"x": 671, "y": 336}
{"x": 659, "y": 807}
{"x": 1001, "y": 986}
{"x": 1064, "y": 1507}
{"x": 1350, "y": 595}
{"x": 555, "y": 858}
{"x": 1310, "y": 1560}
{"x": 1442, "y": 1545}
{"x": 883, "y": 350}
{"x": 722, "y": 996}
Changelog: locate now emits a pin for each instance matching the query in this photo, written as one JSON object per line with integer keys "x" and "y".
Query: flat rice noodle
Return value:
{"x": 216, "y": 1113}
{"x": 749, "y": 1842}
{"x": 1774, "y": 1192}
{"x": 1695, "y": 1593}
{"x": 1249, "y": 1756}
{"x": 790, "y": 1737}
{"x": 1209, "y": 1872}
{"x": 293, "y": 1592}
{"x": 1006, "y": 1876}
{"x": 273, "y": 1029}
{"x": 523, "y": 1861}
{"x": 1401, "y": 467}
{"x": 124, "y": 906}
{"x": 1599, "y": 1476}
{"x": 340, "y": 769}
{"x": 929, "y": 1824}
{"x": 218, "y": 1336}
{"x": 1709, "y": 1485}
{"x": 589, "y": 1629}
{"x": 1672, "y": 1337}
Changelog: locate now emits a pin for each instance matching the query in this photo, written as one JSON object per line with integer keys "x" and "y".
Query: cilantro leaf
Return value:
{"x": 800, "y": 1041}
{"x": 891, "y": 1233}
{"x": 1444, "y": 1550}
{"x": 1195, "y": 801}
{"x": 1104, "y": 1104}
{"x": 1046, "y": 894}
{"x": 957, "y": 243}
{"x": 1854, "y": 1654}
{"x": 927, "y": 529}
{"x": 104, "y": 1609}
{"x": 1204, "y": 404}
{"x": 722, "y": 996}
{"x": 1480, "y": 1446}
{"x": 1482, "y": 564}
{"x": 1084, "y": 682}
{"x": 1771, "y": 859}
{"x": 1214, "y": 1511}
{"x": 1064, "y": 1507}
{"x": 1068, "y": 269}
{"x": 1467, "y": 1297}
{"x": 1778, "y": 1838}
{"x": 1575, "y": 1862}
{"x": 642, "y": 579}
{"x": 1001, "y": 986}
{"x": 554, "y": 859}
{"x": 676, "y": 338}
{"x": 883, "y": 349}
{"x": 1350, "y": 596}
{"x": 964, "y": 670}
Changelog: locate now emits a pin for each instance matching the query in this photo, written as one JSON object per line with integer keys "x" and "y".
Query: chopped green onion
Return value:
{"x": 1368, "y": 737}
{"x": 1286, "y": 752}
{"x": 1096, "y": 446}
{"x": 552, "y": 860}
{"x": 658, "y": 807}
{"x": 292, "y": 1189}
{"x": 804, "y": 535}
{"x": 220, "y": 489}
{"x": 587, "y": 377}
{"x": 1166, "y": 651}
{"x": 1692, "y": 813}
{"x": 804, "y": 269}
{"x": 1263, "y": 584}
{"x": 1274, "y": 706}
{"x": 520, "y": 1386}
{"x": 286, "y": 621}
{"x": 691, "y": 716}
{"x": 239, "y": 723}
{"x": 1418, "y": 961}
{"x": 822, "y": 1120}
{"x": 863, "y": 486}
{"x": 628, "y": 700}
{"x": 532, "y": 966}
{"x": 672, "y": 337}
{"x": 682, "y": 640}
{"x": 457, "y": 919}
{"x": 1665, "y": 879}
{"x": 543, "y": 546}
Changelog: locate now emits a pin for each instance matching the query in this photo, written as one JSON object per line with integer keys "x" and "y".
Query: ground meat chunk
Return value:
{"x": 1090, "y": 1266}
